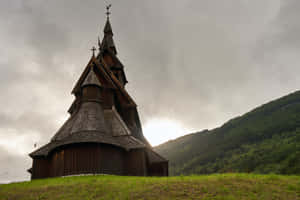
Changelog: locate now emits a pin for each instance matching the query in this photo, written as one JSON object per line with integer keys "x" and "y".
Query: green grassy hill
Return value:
{"x": 212, "y": 187}
{"x": 265, "y": 140}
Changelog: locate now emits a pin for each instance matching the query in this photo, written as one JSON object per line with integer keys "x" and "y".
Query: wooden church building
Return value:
{"x": 103, "y": 134}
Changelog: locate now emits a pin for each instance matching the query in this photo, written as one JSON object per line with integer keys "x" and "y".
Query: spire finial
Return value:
{"x": 93, "y": 49}
{"x": 107, "y": 11}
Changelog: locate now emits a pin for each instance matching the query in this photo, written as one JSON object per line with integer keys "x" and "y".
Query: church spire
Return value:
{"x": 107, "y": 28}
{"x": 108, "y": 42}
{"x": 108, "y": 51}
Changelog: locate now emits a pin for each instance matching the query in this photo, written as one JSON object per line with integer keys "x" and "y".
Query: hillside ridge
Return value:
{"x": 263, "y": 140}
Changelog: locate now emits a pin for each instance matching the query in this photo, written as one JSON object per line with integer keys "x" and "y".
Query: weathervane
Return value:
{"x": 107, "y": 10}
{"x": 93, "y": 49}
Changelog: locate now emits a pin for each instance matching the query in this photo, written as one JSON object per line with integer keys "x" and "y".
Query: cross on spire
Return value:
{"x": 93, "y": 49}
{"x": 107, "y": 11}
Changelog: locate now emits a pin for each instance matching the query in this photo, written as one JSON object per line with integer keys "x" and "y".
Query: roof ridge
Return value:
{"x": 85, "y": 72}
{"x": 117, "y": 82}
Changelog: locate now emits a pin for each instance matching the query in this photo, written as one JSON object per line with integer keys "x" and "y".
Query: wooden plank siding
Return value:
{"x": 89, "y": 159}
{"x": 158, "y": 169}
{"x": 40, "y": 168}
{"x": 93, "y": 158}
{"x": 136, "y": 163}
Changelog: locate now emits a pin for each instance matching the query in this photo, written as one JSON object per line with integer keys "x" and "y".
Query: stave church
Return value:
{"x": 103, "y": 134}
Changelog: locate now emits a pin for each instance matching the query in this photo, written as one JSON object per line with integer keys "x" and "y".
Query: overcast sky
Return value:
{"x": 196, "y": 63}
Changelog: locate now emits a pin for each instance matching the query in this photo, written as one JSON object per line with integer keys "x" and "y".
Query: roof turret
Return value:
{"x": 108, "y": 42}
{"x": 91, "y": 79}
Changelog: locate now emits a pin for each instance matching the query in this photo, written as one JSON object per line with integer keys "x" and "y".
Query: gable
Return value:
{"x": 115, "y": 123}
{"x": 103, "y": 77}
{"x": 91, "y": 79}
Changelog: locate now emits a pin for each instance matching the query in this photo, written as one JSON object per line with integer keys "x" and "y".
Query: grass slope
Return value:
{"x": 218, "y": 186}
{"x": 265, "y": 140}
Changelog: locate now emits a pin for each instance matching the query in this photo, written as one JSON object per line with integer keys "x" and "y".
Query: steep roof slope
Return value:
{"x": 89, "y": 120}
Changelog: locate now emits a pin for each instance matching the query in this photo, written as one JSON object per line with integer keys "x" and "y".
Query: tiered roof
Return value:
{"x": 89, "y": 121}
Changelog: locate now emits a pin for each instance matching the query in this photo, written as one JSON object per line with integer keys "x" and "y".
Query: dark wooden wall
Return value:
{"x": 112, "y": 160}
{"x": 90, "y": 158}
{"x": 75, "y": 159}
{"x": 158, "y": 169}
{"x": 40, "y": 168}
{"x": 136, "y": 163}
{"x": 82, "y": 158}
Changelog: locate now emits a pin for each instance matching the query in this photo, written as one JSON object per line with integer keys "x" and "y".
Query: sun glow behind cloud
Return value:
{"x": 158, "y": 130}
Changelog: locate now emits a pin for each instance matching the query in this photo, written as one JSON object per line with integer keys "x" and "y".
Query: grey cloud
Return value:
{"x": 288, "y": 27}
{"x": 28, "y": 122}
{"x": 283, "y": 32}
{"x": 278, "y": 48}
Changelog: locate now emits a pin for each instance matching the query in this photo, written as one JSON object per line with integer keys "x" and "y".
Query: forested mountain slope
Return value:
{"x": 264, "y": 140}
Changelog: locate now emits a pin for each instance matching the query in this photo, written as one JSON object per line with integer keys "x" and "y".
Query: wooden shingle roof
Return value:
{"x": 125, "y": 142}
{"x": 89, "y": 117}
{"x": 154, "y": 157}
